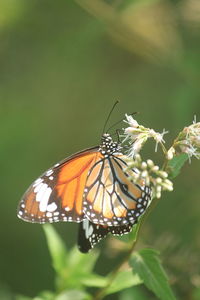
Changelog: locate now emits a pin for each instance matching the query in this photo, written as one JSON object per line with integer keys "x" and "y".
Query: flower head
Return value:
{"x": 137, "y": 135}
{"x": 132, "y": 122}
{"x": 188, "y": 140}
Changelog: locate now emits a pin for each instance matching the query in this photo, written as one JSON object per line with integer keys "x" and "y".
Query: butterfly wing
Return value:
{"x": 57, "y": 195}
{"x": 90, "y": 234}
{"x": 111, "y": 199}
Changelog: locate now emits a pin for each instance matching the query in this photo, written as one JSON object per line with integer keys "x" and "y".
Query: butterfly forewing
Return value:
{"x": 57, "y": 195}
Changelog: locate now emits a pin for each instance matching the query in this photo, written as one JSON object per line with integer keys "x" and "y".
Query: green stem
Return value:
{"x": 101, "y": 293}
{"x": 164, "y": 166}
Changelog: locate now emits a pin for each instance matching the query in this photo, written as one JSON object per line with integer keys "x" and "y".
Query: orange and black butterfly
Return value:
{"x": 91, "y": 188}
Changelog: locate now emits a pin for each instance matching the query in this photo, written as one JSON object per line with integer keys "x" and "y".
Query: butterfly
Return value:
{"x": 92, "y": 188}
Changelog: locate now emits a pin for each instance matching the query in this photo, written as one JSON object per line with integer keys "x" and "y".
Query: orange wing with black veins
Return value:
{"x": 111, "y": 198}
{"x": 58, "y": 194}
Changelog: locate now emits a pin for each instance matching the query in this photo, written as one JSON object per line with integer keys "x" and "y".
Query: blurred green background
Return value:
{"x": 62, "y": 66}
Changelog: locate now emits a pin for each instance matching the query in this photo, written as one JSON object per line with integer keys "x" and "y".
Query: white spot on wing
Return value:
{"x": 38, "y": 181}
{"x": 49, "y": 214}
{"x": 45, "y": 199}
{"x": 39, "y": 190}
{"x": 38, "y": 187}
{"x": 49, "y": 172}
{"x": 51, "y": 207}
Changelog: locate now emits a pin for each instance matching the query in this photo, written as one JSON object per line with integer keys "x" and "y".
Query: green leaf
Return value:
{"x": 94, "y": 280}
{"x": 77, "y": 268}
{"x": 82, "y": 263}
{"x": 134, "y": 293}
{"x": 73, "y": 295}
{"x": 123, "y": 280}
{"x": 174, "y": 166}
{"x": 147, "y": 265}
{"x": 56, "y": 247}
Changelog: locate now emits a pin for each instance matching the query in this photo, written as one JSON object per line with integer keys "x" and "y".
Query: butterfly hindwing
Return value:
{"x": 90, "y": 234}
{"x": 110, "y": 197}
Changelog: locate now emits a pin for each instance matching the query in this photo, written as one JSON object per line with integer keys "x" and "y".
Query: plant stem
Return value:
{"x": 101, "y": 293}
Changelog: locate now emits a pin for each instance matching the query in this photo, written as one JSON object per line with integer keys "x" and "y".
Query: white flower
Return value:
{"x": 132, "y": 122}
{"x": 190, "y": 150}
{"x": 158, "y": 137}
{"x": 137, "y": 135}
{"x": 188, "y": 140}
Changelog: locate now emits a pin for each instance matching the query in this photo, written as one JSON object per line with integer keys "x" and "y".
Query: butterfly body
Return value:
{"x": 92, "y": 188}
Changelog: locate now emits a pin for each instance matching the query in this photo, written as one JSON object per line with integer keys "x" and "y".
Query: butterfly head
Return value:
{"x": 108, "y": 146}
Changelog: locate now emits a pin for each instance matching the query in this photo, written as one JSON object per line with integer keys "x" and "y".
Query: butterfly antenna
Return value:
{"x": 108, "y": 117}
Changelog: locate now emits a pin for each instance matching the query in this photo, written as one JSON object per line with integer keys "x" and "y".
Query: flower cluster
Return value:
{"x": 137, "y": 135}
{"x": 149, "y": 174}
{"x": 188, "y": 141}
